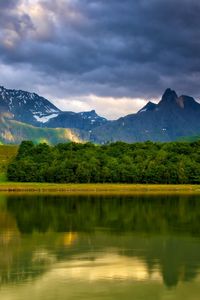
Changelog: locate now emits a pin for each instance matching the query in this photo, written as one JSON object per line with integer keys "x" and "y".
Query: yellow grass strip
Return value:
{"x": 97, "y": 188}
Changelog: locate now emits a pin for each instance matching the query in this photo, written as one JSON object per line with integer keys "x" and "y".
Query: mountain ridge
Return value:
{"x": 172, "y": 118}
{"x": 36, "y": 110}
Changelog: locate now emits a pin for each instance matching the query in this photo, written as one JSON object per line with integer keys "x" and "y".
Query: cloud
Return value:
{"x": 115, "y": 107}
{"x": 110, "y": 49}
{"x": 13, "y": 28}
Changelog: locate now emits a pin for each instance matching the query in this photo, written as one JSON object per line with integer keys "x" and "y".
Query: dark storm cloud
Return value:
{"x": 132, "y": 48}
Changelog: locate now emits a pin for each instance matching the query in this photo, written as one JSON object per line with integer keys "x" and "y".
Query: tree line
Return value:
{"x": 148, "y": 162}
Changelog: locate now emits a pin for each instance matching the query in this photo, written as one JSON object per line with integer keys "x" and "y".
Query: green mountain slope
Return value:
{"x": 13, "y": 132}
{"x": 192, "y": 138}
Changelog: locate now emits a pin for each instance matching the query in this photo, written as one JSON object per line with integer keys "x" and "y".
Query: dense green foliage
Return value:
{"x": 176, "y": 162}
{"x": 7, "y": 152}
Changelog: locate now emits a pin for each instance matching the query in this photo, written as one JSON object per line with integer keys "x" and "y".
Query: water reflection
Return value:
{"x": 145, "y": 239}
{"x": 153, "y": 214}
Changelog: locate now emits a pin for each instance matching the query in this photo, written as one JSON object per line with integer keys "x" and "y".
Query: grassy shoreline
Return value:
{"x": 97, "y": 188}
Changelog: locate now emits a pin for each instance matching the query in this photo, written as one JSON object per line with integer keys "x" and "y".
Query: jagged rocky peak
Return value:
{"x": 171, "y": 99}
{"x": 150, "y": 106}
{"x": 188, "y": 99}
{"x": 187, "y": 102}
{"x": 169, "y": 96}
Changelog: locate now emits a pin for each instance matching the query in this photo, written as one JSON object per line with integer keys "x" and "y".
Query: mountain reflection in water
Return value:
{"x": 76, "y": 239}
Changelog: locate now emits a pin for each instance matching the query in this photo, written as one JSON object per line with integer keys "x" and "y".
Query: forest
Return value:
{"x": 119, "y": 162}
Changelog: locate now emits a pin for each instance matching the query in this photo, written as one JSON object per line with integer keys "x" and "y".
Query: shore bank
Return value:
{"x": 96, "y": 188}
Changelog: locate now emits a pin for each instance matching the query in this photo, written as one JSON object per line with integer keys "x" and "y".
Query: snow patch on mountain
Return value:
{"x": 45, "y": 119}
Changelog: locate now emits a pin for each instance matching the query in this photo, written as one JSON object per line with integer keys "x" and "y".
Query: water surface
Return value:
{"x": 99, "y": 247}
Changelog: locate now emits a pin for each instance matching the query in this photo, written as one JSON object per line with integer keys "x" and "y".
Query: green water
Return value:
{"x": 98, "y": 247}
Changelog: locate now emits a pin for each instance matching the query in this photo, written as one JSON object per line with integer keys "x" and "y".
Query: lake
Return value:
{"x": 99, "y": 247}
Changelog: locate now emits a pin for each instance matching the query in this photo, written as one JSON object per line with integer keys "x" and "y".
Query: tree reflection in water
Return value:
{"x": 161, "y": 233}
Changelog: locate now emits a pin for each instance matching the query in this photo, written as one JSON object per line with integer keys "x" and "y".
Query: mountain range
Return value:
{"x": 25, "y": 115}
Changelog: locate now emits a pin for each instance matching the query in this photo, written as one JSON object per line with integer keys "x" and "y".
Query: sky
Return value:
{"x": 108, "y": 55}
